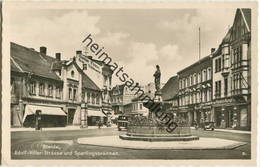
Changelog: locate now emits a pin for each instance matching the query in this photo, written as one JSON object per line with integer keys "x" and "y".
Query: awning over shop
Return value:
{"x": 96, "y": 113}
{"x": 45, "y": 110}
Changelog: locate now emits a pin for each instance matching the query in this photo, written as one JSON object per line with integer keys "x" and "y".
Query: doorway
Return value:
{"x": 71, "y": 113}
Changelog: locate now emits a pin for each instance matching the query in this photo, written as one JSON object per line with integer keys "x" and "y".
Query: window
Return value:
{"x": 85, "y": 66}
{"x": 88, "y": 97}
{"x": 98, "y": 99}
{"x": 191, "y": 80}
{"x": 33, "y": 88}
{"x": 59, "y": 72}
{"x": 41, "y": 89}
{"x": 218, "y": 89}
{"x": 198, "y": 97}
{"x": 12, "y": 85}
{"x": 204, "y": 75}
{"x": 205, "y": 96}
{"x": 141, "y": 106}
{"x": 218, "y": 65}
{"x": 199, "y": 77}
{"x": 50, "y": 91}
{"x": 70, "y": 93}
{"x": 226, "y": 87}
{"x": 58, "y": 92}
{"x": 194, "y": 79}
{"x": 74, "y": 94}
{"x": 72, "y": 74}
{"x": 209, "y": 73}
{"x": 93, "y": 98}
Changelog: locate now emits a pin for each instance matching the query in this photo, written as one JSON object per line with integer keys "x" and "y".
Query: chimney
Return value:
{"x": 58, "y": 56}
{"x": 43, "y": 50}
{"x": 213, "y": 50}
{"x": 78, "y": 52}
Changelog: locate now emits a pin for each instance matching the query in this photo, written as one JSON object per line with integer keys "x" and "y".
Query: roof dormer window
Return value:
{"x": 72, "y": 74}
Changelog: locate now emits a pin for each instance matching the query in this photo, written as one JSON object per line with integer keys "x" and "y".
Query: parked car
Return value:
{"x": 208, "y": 125}
{"x": 122, "y": 122}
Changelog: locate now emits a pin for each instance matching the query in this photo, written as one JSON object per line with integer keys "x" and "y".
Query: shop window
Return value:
{"x": 243, "y": 117}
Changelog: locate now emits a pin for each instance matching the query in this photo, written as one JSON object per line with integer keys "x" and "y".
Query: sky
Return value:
{"x": 136, "y": 39}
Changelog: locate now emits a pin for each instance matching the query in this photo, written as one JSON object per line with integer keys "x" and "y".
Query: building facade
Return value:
{"x": 122, "y": 95}
{"x": 60, "y": 89}
{"x": 195, "y": 91}
{"x": 34, "y": 86}
{"x": 232, "y": 75}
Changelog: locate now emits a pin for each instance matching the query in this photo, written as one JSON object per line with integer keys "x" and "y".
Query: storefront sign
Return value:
{"x": 222, "y": 101}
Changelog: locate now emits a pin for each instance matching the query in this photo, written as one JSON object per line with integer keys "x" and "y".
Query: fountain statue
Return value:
{"x": 160, "y": 125}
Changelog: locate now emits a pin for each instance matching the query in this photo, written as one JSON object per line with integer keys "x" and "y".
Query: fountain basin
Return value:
{"x": 153, "y": 133}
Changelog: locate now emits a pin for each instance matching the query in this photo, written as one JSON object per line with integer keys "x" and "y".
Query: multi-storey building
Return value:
{"x": 232, "y": 75}
{"x": 34, "y": 86}
{"x": 60, "y": 89}
{"x": 170, "y": 95}
{"x": 136, "y": 107}
{"x": 121, "y": 95}
{"x": 101, "y": 74}
{"x": 195, "y": 91}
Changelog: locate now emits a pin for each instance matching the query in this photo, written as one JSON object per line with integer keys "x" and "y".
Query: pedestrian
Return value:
{"x": 99, "y": 124}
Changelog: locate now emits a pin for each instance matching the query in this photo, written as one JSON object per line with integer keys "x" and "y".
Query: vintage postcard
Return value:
{"x": 129, "y": 83}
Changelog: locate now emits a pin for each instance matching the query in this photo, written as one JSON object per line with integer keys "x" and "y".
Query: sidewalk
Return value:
{"x": 230, "y": 131}
{"x": 60, "y": 128}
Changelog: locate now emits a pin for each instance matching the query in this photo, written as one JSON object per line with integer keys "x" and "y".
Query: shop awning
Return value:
{"x": 46, "y": 110}
{"x": 96, "y": 113}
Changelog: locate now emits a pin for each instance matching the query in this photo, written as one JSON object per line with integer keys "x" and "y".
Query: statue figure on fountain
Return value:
{"x": 157, "y": 82}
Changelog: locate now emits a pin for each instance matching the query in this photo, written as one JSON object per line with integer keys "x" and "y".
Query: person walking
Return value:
{"x": 99, "y": 124}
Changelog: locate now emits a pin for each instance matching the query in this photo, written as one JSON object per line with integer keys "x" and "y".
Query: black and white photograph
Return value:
{"x": 134, "y": 81}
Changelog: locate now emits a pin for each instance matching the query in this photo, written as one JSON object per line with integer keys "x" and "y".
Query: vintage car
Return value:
{"x": 208, "y": 125}
{"x": 122, "y": 122}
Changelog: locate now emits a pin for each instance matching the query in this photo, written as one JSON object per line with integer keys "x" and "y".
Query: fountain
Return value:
{"x": 160, "y": 130}
{"x": 159, "y": 125}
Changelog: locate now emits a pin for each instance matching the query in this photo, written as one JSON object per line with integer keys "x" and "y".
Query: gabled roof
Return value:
{"x": 227, "y": 37}
{"x": 119, "y": 87}
{"x": 246, "y": 14}
{"x": 170, "y": 89}
{"x": 28, "y": 60}
{"x": 88, "y": 83}
{"x": 206, "y": 58}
